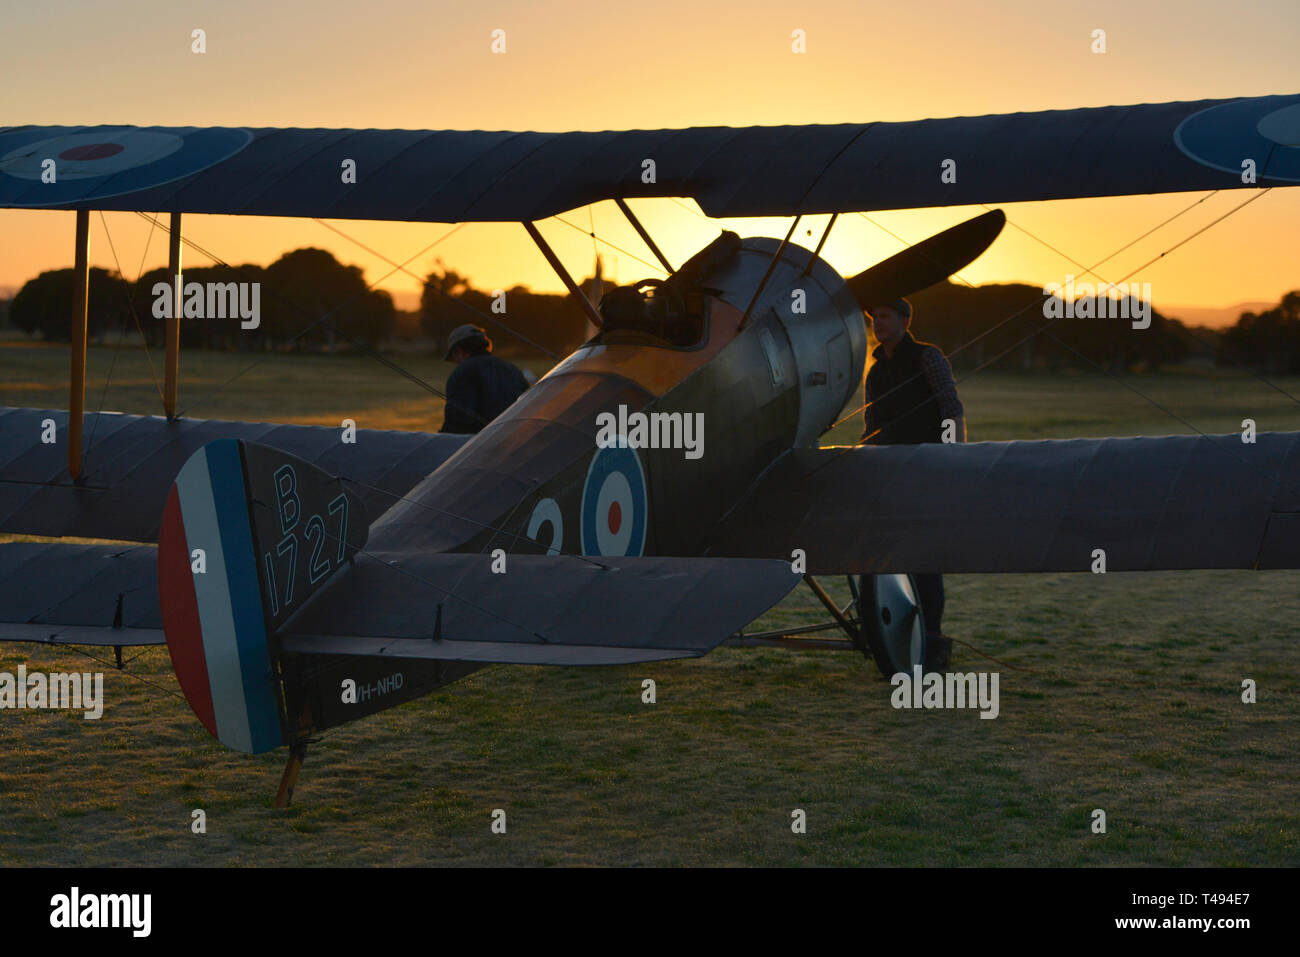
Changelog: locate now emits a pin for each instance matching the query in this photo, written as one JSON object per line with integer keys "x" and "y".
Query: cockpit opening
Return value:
{"x": 653, "y": 313}
{"x": 670, "y": 313}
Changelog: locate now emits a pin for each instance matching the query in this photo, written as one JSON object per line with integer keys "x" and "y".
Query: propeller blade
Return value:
{"x": 929, "y": 261}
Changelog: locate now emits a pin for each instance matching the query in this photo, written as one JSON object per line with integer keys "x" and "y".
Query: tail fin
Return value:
{"x": 248, "y": 534}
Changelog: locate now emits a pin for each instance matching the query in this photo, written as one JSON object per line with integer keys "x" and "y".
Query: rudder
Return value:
{"x": 248, "y": 534}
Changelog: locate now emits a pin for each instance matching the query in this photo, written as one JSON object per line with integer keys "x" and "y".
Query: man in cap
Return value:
{"x": 481, "y": 386}
{"x": 912, "y": 398}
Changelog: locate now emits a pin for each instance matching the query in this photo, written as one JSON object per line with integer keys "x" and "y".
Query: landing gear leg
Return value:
{"x": 841, "y": 618}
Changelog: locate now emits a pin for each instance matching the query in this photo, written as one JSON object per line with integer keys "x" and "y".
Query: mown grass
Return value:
{"x": 1120, "y": 692}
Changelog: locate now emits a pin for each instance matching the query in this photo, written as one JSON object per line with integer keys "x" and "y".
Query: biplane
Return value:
{"x": 300, "y": 582}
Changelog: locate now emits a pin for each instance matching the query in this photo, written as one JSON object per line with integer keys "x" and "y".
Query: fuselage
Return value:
{"x": 550, "y": 475}
{"x": 545, "y": 477}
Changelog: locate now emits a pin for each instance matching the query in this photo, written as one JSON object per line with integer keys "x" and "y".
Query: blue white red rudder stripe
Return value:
{"x": 211, "y": 602}
{"x": 249, "y": 534}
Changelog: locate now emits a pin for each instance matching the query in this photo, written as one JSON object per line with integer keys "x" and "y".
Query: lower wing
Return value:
{"x": 61, "y": 593}
{"x": 131, "y": 461}
{"x": 1173, "y": 502}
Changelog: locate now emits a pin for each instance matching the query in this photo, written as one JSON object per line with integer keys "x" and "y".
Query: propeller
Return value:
{"x": 928, "y": 262}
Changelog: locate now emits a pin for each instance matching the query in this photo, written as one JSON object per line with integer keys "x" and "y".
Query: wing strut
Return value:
{"x": 776, "y": 258}
{"x": 171, "y": 384}
{"x": 846, "y": 619}
{"x": 593, "y": 315}
{"x": 820, "y": 243}
{"x": 77, "y": 321}
{"x": 645, "y": 236}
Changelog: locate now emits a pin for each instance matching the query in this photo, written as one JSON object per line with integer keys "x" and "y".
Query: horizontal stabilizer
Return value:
{"x": 540, "y": 610}
{"x": 482, "y": 652}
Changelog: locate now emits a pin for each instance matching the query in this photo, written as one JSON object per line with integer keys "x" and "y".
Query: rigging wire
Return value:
{"x": 1045, "y": 329}
{"x": 322, "y": 321}
{"x": 696, "y": 213}
{"x": 113, "y": 666}
{"x": 1182, "y": 329}
{"x": 108, "y": 379}
{"x": 657, "y": 267}
{"x": 1028, "y": 306}
{"x": 1158, "y": 226}
{"x": 454, "y": 299}
{"x": 130, "y": 299}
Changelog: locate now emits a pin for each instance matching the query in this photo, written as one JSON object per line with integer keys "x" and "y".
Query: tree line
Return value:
{"x": 309, "y": 301}
{"x": 1005, "y": 326}
{"x": 1269, "y": 341}
{"x": 1010, "y": 326}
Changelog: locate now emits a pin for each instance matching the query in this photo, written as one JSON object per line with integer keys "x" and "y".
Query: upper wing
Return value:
{"x": 457, "y": 176}
{"x": 1149, "y": 503}
{"x": 131, "y": 461}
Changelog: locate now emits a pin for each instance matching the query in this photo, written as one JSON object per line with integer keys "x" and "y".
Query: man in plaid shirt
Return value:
{"x": 912, "y": 398}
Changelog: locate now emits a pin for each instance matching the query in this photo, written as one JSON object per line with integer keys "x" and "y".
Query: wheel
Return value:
{"x": 892, "y": 622}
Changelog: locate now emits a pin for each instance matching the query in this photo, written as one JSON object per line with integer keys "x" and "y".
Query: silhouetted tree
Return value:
{"x": 553, "y": 322}
{"x": 45, "y": 304}
{"x": 210, "y": 331}
{"x": 1004, "y": 326}
{"x": 1269, "y": 341}
{"x": 309, "y": 287}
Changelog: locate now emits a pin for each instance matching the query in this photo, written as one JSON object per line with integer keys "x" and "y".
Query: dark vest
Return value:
{"x": 903, "y": 402}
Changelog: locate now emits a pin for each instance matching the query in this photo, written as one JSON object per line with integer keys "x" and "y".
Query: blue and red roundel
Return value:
{"x": 614, "y": 509}
{"x": 103, "y": 161}
{"x": 1222, "y": 136}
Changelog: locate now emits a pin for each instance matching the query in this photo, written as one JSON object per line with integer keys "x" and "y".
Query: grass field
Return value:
{"x": 1124, "y": 696}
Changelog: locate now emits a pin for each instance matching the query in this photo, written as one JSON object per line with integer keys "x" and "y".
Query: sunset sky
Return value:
{"x": 588, "y": 65}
